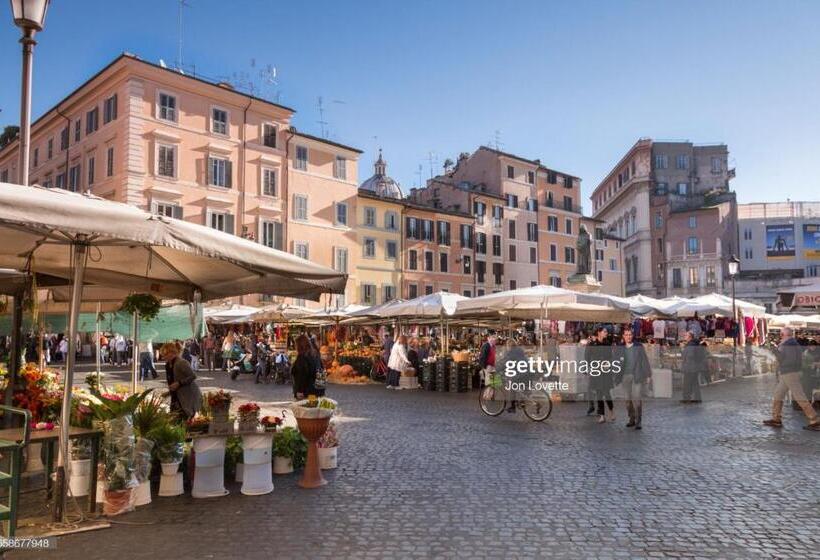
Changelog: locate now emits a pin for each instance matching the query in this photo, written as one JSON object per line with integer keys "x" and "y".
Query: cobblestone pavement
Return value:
{"x": 426, "y": 475}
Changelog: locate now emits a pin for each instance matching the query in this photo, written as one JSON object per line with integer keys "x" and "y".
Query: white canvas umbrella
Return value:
{"x": 281, "y": 312}
{"x": 438, "y": 304}
{"x": 88, "y": 239}
{"x": 715, "y": 304}
{"x": 231, "y": 314}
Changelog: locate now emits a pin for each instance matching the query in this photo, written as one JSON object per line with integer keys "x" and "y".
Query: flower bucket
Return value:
{"x": 257, "y": 480}
{"x": 80, "y": 477}
{"x": 142, "y": 493}
{"x": 256, "y": 449}
{"x": 328, "y": 457}
{"x": 116, "y": 502}
{"x": 210, "y": 451}
{"x": 169, "y": 469}
{"x": 282, "y": 465}
{"x": 34, "y": 462}
{"x": 171, "y": 485}
{"x": 209, "y": 482}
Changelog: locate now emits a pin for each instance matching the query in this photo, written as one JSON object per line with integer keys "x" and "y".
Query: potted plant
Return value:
{"x": 313, "y": 417}
{"x": 168, "y": 438}
{"x": 328, "y": 446}
{"x": 248, "y": 415}
{"x": 271, "y": 423}
{"x": 289, "y": 450}
{"x": 219, "y": 403}
{"x": 198, "y": 424}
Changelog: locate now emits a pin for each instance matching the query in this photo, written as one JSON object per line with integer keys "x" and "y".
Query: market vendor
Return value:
{"x": 186, "y": 398}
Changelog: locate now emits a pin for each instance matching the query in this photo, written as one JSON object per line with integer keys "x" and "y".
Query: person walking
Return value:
{"x": 121, "y": 346}
{"x": 208, "y": 345}
{"x": 196, "y": 350}
{"x": 789, "y": 356}
{"x": 146, "y": 350}
{"x": 599, "y": 350}
{"x": 695, "y": 361}
{"x": 636, "y": 373}
{"x": 304, "y": 369}
{"x": 397, "y": 363}
{"x": 186, "y": 397}
{"x": 486, "y": 358}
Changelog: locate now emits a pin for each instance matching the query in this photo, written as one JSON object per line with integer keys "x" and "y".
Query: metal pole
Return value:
{"x": 135, "y": 323}
{"x": 14, "y": 351}
{"x": 97, "y": 344}
{"x": 28, "y": 43}
{"x": 737, "y": 326}
{"x": 80, "y": 251}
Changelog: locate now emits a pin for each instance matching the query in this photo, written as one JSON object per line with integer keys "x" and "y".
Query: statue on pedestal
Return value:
{"x": 582, "y": 245}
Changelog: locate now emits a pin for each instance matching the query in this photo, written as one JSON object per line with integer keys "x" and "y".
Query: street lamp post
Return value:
{"x": 734, "y": 268}
{"x": 29, "y": 16}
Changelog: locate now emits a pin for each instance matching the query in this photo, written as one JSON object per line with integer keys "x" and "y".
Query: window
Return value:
{"x": 92, "y": 119}
{"x": 749, "y": 254}
{"x": 531, "y": 177}
{"x": 269, "y": 182}
{"x": 166, "y": 161}
{"x": 466, "y": 236}
{"x": 683, "y": 189}
{"x": 64, "y": 139}
{"x": 552, "y": 223}
{"x": 467, "y": 293}
{"x": 512, "y": 201}
{"x": 553, "y": 252}
{"x": 600, "y": 274}
{"x": 428, "y": 261}
{"x": 661, "y": 189}
{"x": 412, "y": 291}
{"x": 340, "y": 259}
{"x": 479, "y": 208}
{"x": 480, "y": 271}
{"x": 658, "y": 220}
{"x": 110, "y": 109}
{"x": 109, "y": 162}
{"x": 498, "y": 215}
{"x": 427, "y": 232}
{"x": 273, "y": 236}
{"x": 300, "y": 207}
{"x": 677, "y": 281}
{"x": 569, "y": 254}
{"x": 747, "y": 234}
{"x": 269, "y": 135}
{"x": 511, "y": 228}
{"x": 369, "y": 216}
{"x": 693, "y": 222}
{"x": 391, "y": 250}
{"x": 496, "y": 245}
{"x": 710, "y": 276}
{"x": 682, "y": 161}
{"x": 78, "y": 124}
{"x": 660, "y": 245}
{"x": 552, "y": 177}
{"x": 532, "y": 231}
{"x": 412, "y": 228}
{"x": 568, "y": 228}
{"x": 567, "y": 182}
{"x": 498, "y": 273}
{"x": 533, "y": 255}
{"x": 341, "y": 214}
{"x": 443, "y": 265}
{"x": 513, "y": 284}
{"x": 466, "y": 264}
{"x": 369, "y": 294}
{"x": 4, "y": 176}
{"x": 50, "y": 148}
{"x": 168, "y": 209}
{"x": 812, "y": 270}
{"x": 222, "y": 221}
{"x": 661, "y": 161}
{"x": 301, "y": 158}
{"x": 301, "y": 250}
{"x": 694, "y": 280}
{"x": 717, "y": 165}
{"x": 369, "y": 248}
{"x": 340, "y": 168}
{"x": 443, "y": 233}
{"x": 513, "y": 256}
{"x": 219, "y": 172}
{"x": 692, "y": 245}
{"x": 532, "y": 204}
{"x": 599, "y": 255}
{"x": 510, "y": 172}
{"x": 481, "y": 243}
{"x": 550, "y": 201}
{"x": 167, "y": 107}
{"x": 219, "y": 121}
{"x": 555, "y": 279}
{"x": 90, "y": 166}
{"x": 391, "y": 221}
{"x": 428, "y": 289}
{"x": 36, "y": 157}
{"x": 613, "y": 264}
{"x": 388, "y": 293}
{"x": 59, "y": 180}
{"x": 74, "y": 178}
{"x": 568, "y": 203}
{"x": 412, "y": 259}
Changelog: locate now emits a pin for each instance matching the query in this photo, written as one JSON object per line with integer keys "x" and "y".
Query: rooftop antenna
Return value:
{"x": 420, "y": 172}
{"x": 496, "y": 141}
{"x": 181, "y": 4}
{"x": 322, "y": 122}
{"x": 432, "y": 159}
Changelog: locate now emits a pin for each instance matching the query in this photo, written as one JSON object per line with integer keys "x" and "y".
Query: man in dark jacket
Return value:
{"x": 695, "y": 362}
{"x": 598, "y": 351}
{"x": 636, "y": 373}
{"x": 790, "y": 362}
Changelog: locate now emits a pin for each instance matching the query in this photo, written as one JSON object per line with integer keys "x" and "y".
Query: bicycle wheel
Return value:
{"x": 492, "y": 400}
{"x": 537, "y": 406}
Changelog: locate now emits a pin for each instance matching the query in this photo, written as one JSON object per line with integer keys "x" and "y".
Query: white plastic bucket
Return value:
{"x": 210, "y": 451}
{"x": 282, "y": 465}
{"x": 170, "y": 468}
{"x": 257, "y": 480}
{"x": 257, "y": 449}
{"x": 80, "y": 477}
{"x": 100, "y": 491}
{"x": 209, "y": 482}
{"x": 142, "y": 493}
{"x": 171, "y": 485}
{"x": 328, "y": 457}
{"x": 34, "y": 464}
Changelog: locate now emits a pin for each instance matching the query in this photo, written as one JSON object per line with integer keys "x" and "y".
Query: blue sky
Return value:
{"x": 572, "y": 83}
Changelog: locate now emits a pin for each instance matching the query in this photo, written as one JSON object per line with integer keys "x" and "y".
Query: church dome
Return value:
{"x": 380, "y": 184}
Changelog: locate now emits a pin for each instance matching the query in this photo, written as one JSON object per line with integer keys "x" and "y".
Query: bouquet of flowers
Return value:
{"x": 42, "y": 395}
{"x": 270, "y": 423}
{"x": 198, "y": 424}
{"x": 314, "y": 407}
{"x": 219, "y": 400}
{"x": 248, "y": 415}
{"x": 330, "y": 438}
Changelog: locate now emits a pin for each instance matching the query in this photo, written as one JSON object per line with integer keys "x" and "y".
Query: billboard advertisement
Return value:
{"x": 780, "y": 241}
{"x": 811, "y": 241}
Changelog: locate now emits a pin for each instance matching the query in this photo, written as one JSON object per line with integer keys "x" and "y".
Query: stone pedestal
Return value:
{"x": 585, "y": 283}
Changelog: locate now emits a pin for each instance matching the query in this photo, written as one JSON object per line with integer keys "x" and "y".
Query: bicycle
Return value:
{"x": 494, "y": 397}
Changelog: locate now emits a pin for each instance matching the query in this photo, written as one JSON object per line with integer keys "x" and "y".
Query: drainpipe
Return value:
{"x": 286, "y": 187}
{"x": 67, "y": 147}
{"x": 401, "y": 250}
{"x": 242, "y": 160}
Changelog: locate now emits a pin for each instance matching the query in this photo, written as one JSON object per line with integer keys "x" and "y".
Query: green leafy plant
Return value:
{"x": 289, "y": 442}
{"x": 168, "y": 438}
{"x": 146, "y": 305}
{"x": 149, "y": 414}
{"x": 233, "y": 453}
{"x": 107, "y": 406}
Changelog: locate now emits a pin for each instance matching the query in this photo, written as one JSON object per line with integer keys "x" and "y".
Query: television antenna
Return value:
{"x": 432, "y": 159}
{"x": 181, "y": 4}
{"x": 320, "y": 105}
{"x": 420, "y": 172}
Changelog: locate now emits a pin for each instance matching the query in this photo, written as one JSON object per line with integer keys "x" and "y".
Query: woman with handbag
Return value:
{"x": 397, "y": 363}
